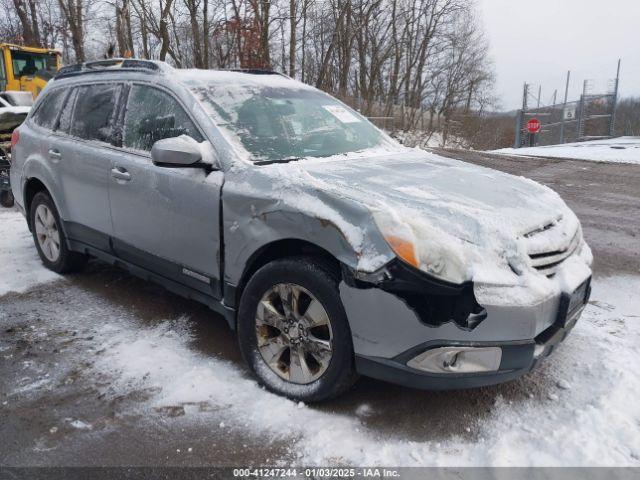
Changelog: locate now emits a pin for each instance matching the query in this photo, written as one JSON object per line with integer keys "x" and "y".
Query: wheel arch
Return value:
{"x": 32, "y": 186}
{"x": 283, "y": 248}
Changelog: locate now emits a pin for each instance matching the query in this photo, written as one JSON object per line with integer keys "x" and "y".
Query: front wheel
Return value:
{"x": 293, "y": 330}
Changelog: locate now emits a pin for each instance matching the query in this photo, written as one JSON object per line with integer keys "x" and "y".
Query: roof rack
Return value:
{"x": 257, "y": 71}
{"x": 108, "y": 66}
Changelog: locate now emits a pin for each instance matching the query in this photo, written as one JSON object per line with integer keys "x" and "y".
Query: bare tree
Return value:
{"x": 193, "y": 8}
{"x": 423, "y": 63}
{"x": 73, "y": 12}
{"x": 123, "y": 28}
{"x": 27, "y": 13}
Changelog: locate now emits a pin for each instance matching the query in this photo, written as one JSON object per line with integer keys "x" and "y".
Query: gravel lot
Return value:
{"x": 100, "y": 368}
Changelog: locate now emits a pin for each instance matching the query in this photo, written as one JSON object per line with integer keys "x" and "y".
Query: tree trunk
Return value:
{"x": 35, "y": 23}
{"x": 164, "y": 30}
{"x": 29, "y": 22}
{"x": 293, "y": 26}
{"x": 304, "y": 39}
{"x": 195, "y": 32}
{"x": 320, "y": 83}
{"x": 72, "y": 10}
{"x": 123, "y": 29}
{"x": 264, "y": 54}
{"x": 205, "y": 33}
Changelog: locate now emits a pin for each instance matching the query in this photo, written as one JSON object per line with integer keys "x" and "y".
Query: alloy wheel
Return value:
{"x": 294, "y": 333}
{"x": 47, "y": 233}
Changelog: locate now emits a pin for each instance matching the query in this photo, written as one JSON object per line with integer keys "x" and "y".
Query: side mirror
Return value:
{"x": 182, "y": 151}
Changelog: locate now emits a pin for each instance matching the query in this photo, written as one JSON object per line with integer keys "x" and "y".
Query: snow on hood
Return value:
{"x": 463, "y": 199}
{"x": 475, "y": 219}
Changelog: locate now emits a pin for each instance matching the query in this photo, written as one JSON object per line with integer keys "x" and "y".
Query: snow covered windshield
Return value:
{"x": 278, "y": 122}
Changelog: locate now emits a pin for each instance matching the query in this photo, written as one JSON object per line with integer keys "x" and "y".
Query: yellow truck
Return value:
{"x": 24, "y": 72}
{"x": 27, "y": 69}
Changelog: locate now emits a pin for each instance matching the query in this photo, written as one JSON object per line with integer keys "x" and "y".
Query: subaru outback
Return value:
{"x": 332, "y": 250}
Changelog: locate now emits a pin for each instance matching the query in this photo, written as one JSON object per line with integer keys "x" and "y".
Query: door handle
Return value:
{"x": 120, "y": 173}
{"x": 54, "y": 155}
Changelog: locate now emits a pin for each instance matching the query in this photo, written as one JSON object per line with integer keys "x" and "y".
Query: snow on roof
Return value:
{"x": 209, "y": 77}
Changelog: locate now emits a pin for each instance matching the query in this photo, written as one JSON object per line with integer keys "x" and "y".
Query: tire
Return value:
{"x": 324, "y": 376}
{"x": 46, "y": 227}
{"x": 6, "y": 199}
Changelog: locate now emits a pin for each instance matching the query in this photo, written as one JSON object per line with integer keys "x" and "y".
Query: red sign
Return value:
{"x": 534, "y": 125}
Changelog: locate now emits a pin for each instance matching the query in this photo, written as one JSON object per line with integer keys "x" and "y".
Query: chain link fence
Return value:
{"x": 592, "y": 117}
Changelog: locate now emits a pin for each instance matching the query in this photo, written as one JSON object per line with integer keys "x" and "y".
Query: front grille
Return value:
{"x": 547, "y": 263}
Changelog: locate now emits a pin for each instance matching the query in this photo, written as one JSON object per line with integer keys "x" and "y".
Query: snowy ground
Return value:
{"x": 617, "y": 150}
{"x": 102, "y": 369}
{"x": 16, "y": 244}
{"x": 579, "y": 413}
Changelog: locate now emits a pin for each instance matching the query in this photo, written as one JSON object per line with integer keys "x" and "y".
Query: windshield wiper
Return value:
{"x": 279, "y": 160}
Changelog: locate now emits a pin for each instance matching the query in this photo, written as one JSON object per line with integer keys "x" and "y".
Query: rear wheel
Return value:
{"x": 49, "y": 236}
{"x": 293, "y": 331}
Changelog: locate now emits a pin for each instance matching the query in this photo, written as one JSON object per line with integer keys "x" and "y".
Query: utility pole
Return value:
{"x": 539, "y": 95}
{"x": 564, "y": 108}
{"x": 583, "y": 106}
{"x": 612, "y": 123}
{"x": 520, "y": 116}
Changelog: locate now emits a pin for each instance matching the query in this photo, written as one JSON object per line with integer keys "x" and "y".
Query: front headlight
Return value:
{"x": 422, "y": 246}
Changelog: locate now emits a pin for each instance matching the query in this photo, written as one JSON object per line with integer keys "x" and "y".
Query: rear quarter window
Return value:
{"x": 47, "y": 113}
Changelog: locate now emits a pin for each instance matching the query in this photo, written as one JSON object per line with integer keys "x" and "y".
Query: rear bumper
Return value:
{"x": 518, "y": 358}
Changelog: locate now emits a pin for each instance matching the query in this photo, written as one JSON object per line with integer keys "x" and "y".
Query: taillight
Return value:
{"x": 15, "y": 138}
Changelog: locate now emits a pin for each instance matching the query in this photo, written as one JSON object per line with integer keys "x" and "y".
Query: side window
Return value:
{"x": 64, "y": 123}
{"x": 93, "y": 116}
{"x": 153, "y": 115}
{"x": 48, "y": 110}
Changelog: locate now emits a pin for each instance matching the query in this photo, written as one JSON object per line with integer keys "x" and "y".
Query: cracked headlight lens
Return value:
{"x": 422, "y": 247}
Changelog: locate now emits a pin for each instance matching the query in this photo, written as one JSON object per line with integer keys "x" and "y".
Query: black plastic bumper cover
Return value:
{"x": 518, "y": 358}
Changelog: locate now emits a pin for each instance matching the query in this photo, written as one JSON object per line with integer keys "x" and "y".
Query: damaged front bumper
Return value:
{"x": 412, "y": 330}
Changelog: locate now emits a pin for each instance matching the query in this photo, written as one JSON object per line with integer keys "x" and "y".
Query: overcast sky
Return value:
{"x": 538, "y": 41}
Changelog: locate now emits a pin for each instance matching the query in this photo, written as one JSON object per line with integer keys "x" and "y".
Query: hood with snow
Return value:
{"x": 466, "y": 222}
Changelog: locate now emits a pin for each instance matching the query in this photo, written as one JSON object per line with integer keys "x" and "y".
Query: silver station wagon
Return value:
{"x": 331, "y": 249}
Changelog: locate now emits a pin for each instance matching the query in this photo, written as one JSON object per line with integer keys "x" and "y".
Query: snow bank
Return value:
{"x": 426, "y": 140}
{"x": 20, "y": 266}
{"x": 616, "y": 150}
{"x": 584, "y": 415}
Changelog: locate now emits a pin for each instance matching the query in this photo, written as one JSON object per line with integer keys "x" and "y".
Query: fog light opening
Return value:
{"x": 458, "y": 360}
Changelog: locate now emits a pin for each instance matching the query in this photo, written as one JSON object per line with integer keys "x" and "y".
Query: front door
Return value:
{"x": 165, "y": 219}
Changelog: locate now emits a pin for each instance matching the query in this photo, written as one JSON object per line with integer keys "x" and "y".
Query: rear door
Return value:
{"x": 82, "y": 149}
{"x": 165, "y": 219}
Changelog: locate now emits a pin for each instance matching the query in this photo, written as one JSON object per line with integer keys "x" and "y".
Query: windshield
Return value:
{"x": 287, "y": 122}
{"x": 25, "y": 63}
